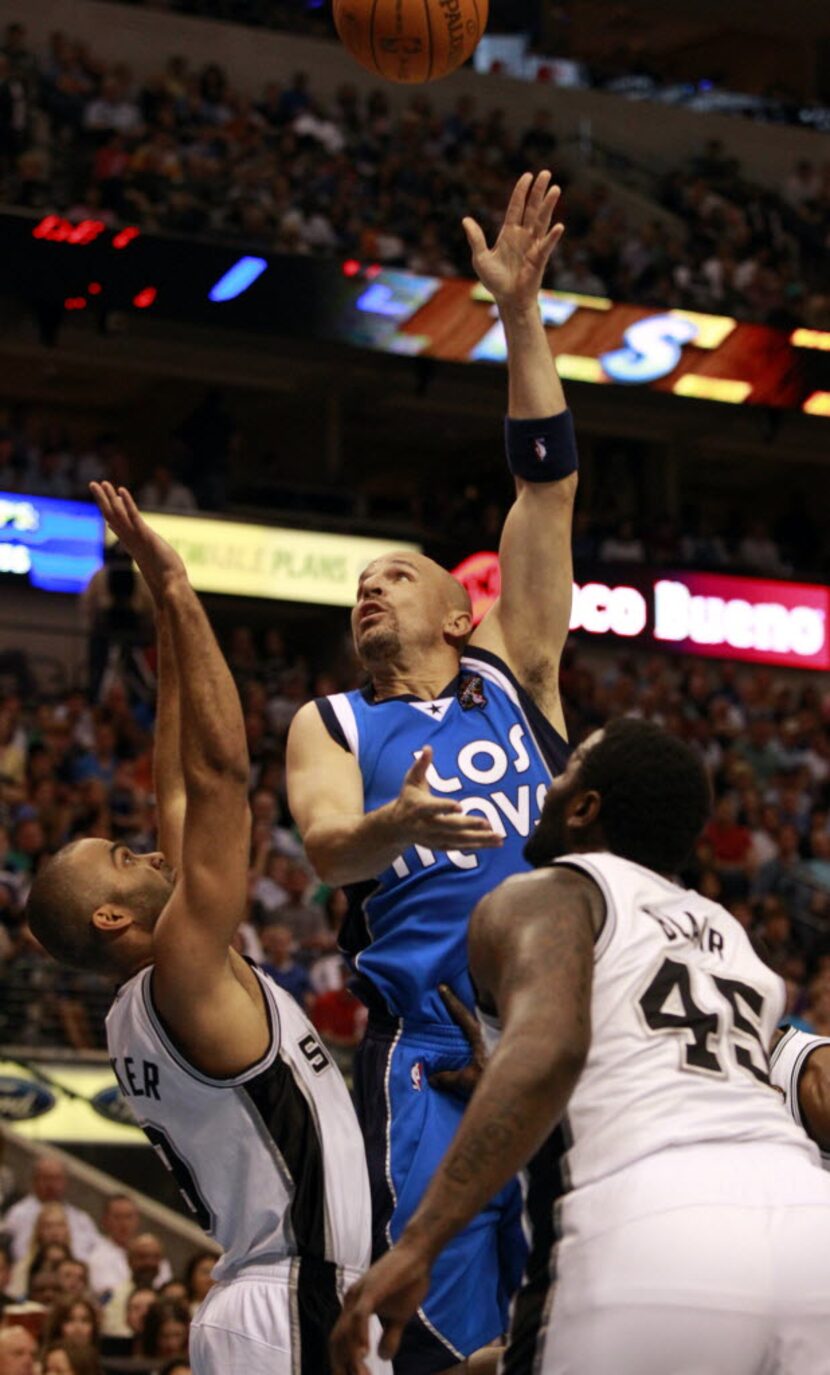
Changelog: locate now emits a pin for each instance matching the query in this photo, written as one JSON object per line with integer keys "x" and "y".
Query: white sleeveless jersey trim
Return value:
{"x": 489, "y": 671}
{"x": 344, "y": 711}
{"x": 786, "y": 1064}
{"x": 271, "y": 1012}
{"x": 609, "y": 926}
{"x": 272, "y": 1161}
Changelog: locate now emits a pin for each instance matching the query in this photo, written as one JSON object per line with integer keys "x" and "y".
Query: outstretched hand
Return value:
{"x": 462, "y": 1082}
{"x": 157, "y": 560}
{"x": 421, "y": 818}
{"x": 394, "y": 1288}
{"x": 514, "y": 268}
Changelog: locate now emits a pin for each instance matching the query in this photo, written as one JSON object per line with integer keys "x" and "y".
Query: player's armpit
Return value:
{"x": 529, "y": 623}
{"x": 814, "y": 1096}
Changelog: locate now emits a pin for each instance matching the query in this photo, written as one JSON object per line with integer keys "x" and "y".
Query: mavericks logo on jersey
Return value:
{"x": 471, "y": 692}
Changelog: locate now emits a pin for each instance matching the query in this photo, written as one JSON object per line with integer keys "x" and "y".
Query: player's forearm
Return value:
{"x": 351, "y": 849}
{"x": 168, "y": 779}
{"x": 535, "y": 389}
{"x": 521, "y": 1097}
{"x": 355, "y": 849}
{"x": 212, "y": 728}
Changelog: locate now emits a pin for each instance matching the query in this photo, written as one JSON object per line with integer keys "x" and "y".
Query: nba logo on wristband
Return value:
{"x": 540, "y": 448}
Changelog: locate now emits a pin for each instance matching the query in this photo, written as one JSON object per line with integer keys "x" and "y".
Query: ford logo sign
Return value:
{"x": 23, "y": 1099}
{"x": 111, "y": 1104}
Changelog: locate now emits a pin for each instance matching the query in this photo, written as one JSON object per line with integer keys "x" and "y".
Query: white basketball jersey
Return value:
{"x": 786, "y": 1063}
{"x": 271, "y": 1162}
{"x": 682, "y": 1013}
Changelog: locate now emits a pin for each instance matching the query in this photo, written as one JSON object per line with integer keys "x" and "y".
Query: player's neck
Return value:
{"x": 425, "y": 679}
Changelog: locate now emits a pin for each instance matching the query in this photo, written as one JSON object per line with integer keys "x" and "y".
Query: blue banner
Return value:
{"x": 56, "y": 545}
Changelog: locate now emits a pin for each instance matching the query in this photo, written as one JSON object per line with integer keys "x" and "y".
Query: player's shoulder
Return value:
{"x": 541, "y": 890}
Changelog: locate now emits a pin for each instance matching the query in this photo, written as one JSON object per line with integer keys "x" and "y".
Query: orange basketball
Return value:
{"x": 411, "y": 40}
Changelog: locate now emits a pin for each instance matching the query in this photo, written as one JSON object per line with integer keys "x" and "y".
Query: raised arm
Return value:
{"x": 531, "y": 956}
{"x": 206, "y": 994}
{"x": 168, "y": 779}
{"x": 346, "y": 844}
{"x": 529, "y": 623}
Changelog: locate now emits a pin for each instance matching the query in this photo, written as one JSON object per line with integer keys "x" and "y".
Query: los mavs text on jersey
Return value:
{"x": 495, "y": 754}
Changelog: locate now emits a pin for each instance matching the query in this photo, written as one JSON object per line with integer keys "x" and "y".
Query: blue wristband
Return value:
{"x": 541, "y": 450}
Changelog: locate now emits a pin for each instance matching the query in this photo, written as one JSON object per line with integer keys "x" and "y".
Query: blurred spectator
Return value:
{"x": 623, "y": 547}
{"x": 108, "y": 1263}
{"x": 164, "y": 493}
{"x": 73, "y": 1320}
{"x": 166, "y": 1329}
{"x": 49, "y": 1185}
{"x": 304, "y": 920}
{"x": 7, "y": 1295}
{"x": 66, "y": 1358}
{"x": 149, "y": 1269}
{"x": 198, "y": 1278}
{"x": 118, "y": 613}
{"x": 17, "y": 1351}
{"x": 278, "y": 947}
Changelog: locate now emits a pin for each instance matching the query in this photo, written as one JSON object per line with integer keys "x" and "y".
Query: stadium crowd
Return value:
{"x": 101, "y": 1294}
{"x": 184, "y": 152}
{"x": 41, "y": 456}
{"x": 75, "y": 766}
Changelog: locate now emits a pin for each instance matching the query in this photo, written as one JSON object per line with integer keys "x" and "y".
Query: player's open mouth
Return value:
{"x": 369, "y": 610}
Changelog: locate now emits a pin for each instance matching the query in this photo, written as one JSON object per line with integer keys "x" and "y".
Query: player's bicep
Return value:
{"x": 324, "y": 779}
{"x": 814, "y": 1096}
{"x": 529, "y": 623}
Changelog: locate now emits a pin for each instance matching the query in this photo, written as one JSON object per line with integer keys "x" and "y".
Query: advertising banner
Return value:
{"x": 714, "y": 615}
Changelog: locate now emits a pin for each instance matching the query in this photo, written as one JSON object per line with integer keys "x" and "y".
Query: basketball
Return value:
{"x": 411, "y": 40}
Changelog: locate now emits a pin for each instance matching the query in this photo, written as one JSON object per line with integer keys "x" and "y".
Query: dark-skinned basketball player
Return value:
{"x": 420, "y": 792}
{"x": 681, "y": 1220}
{"x": 221, "y": 1068}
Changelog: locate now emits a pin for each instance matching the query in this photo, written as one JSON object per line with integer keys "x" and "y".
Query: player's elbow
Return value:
{"x": 324, "y": 860}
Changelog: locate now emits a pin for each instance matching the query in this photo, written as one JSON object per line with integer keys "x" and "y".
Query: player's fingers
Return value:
{"x": 391, "y": 1340}
{"x": 550, "y": 241}
{"x": 433, "y": 807}
{"x": 475, "y": 236}
{"x": 460, "y": 1013}
{"x": 518, "y": 201}
{"x": 446, "y": 839}
{"x": 536, "y": 199}
{"x": 546, "y": 210}
{"x": 417, "y": 772}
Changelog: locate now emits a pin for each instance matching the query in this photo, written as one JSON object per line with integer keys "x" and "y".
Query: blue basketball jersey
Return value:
{"x": 495, "y": 753}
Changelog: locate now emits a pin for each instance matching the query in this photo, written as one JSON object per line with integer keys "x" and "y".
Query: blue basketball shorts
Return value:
{"x": 407, "y": 1127}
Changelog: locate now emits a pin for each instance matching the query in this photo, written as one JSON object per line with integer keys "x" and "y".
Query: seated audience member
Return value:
{"x": 49, "y": 1185}
{"x": 146, "y": 1261}
{"x": 51, "y": 1230}
{"x": 178, "y": 1366}
{"x": 198, "y": 1277}
{"x": 66, "y": 1358}
{"x": 166, "y": 1329}
{"x": 305, "y": 921}
{"x": 73, "y": 1277}
{"x": 173, "y": 1289}
{"x": 73, "y": 1320}
{"x": 139, "y": 1303}
{"x": 278, "y": 946}
{"x": 17, "y": 1351}
{"x": 108, "y": 1265}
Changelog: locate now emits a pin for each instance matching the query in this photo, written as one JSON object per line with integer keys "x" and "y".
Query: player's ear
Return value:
{"x": 457, "y": 626}
{"x": 584, "y": 810}
{"x": 111, "y": 918}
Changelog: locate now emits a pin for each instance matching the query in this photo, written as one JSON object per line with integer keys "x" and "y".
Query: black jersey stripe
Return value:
{"x": 287, "y": 1117}
{"x": 329, "y": 718}
{"x": 318, "y": 1308}
{"x": 545, "y": 1185}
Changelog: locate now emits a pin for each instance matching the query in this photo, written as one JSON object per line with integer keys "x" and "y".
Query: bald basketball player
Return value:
{"x": 219, "y": 1065}
{"x": 420, "y": 792}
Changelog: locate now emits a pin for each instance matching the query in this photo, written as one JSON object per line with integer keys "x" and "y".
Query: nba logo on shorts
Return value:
{"x": 416, "y": 1074}
{"x": 540, "y": 449}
